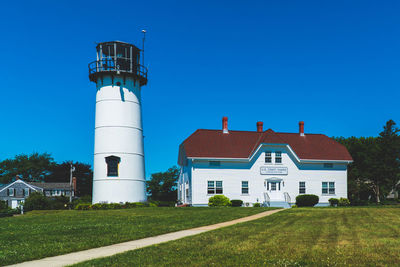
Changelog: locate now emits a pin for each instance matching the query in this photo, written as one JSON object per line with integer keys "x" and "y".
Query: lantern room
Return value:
{"x": 117, "y": 58}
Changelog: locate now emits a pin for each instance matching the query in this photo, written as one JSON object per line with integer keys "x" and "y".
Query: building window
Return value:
{"x": 302, "y": 187}
{"x": 268, "y": 157}
{"x": 211, "y": 187}
{"x": 214, "y": 187}
{"x": 11, "y": 192}
{"x": 26, "y": 192}
{"x": 278, "y": 157}
{"x": 328, "y": 165}
{"x": 218, "y": 189}
{"x": 215, "y": 163}
{"x": 112, "y": 165}
{"x": 328, "y": 188}
{"x": 245, "y": 187}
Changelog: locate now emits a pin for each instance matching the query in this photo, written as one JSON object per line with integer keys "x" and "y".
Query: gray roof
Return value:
{"x": 52, "y": 186}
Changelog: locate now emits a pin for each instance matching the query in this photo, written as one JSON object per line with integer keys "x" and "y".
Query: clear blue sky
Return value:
{"x": 333, "y": 64}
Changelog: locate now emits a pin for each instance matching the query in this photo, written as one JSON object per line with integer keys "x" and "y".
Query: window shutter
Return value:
{"x": 15, "y": 192}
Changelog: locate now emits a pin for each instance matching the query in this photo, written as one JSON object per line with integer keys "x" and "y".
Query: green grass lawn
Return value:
{"x": 297, "y": 237}
{"x": 41, "y": 234}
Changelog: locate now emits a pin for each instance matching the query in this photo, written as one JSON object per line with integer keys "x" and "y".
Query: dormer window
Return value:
{"x": 278, "y": 157}
{"x": 268, "y": 157}
{"x": 112, "y": 165}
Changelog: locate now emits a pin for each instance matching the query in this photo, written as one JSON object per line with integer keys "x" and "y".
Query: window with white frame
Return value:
{"x": 302, "y": 187}
{"x": 278, "y": 157}
{"x": 268, "y": 157}
{"x": 11, "y": 192}
{"x": 214, "y": 187}
{"x": 245, "y": 187}
{"x": 210, "y": 187}
{"x": 328, "y": 188}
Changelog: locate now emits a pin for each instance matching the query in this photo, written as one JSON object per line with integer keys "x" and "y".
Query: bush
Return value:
{"x": 333, "y": 202}
{"x": 257, "y": 205}
{"x": 3, "y": 205}
{"x": 236, "y": 202}
{"x": 344, "y": 202}
{"x": 218, "y": 200}
{"x": 8, "y": 212}
{"x": 160, "y": 203}
{"x": 83, "y": 206}
{"x": 306, "y": 200}
{"x": 59, "y": 203}
{"x": 36, "y": 201}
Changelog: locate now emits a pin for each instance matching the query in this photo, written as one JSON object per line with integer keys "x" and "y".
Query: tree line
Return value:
{"x": 38, "y": 167}
{"x": 375, "y": 171}
{"x": 373, "y": 174}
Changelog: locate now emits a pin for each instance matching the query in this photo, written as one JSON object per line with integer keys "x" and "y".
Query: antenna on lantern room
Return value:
{"x": 143, "y": 39}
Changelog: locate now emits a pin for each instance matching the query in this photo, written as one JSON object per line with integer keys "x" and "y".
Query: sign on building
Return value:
{"x": 274, "y": 170}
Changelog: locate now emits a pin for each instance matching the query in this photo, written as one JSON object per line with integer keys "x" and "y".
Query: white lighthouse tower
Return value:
{"x": 118, "y": 152}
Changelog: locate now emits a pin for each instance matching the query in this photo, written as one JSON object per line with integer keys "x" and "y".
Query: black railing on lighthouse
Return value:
{"x": 119, "y": 65}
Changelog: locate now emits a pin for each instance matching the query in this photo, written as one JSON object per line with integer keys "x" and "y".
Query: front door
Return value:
{"x": 14, "y": 204}
{"x": 274, "y": 190}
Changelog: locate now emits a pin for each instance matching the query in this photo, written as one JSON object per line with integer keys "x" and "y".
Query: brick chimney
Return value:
{"x": 259, "y": 126}
{"x": 16, "y": 177}
{"x": 225, "y": 125}
{"x": 74, "y": 185}
{"x": 301, "y": 128}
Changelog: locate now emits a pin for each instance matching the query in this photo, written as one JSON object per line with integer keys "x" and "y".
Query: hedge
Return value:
{"x": 218, "y": 200}
{"x": 344, "y": 201}
{"x": 236, "y": 202}
{"x": 306, "y": 200}
{"x": 333, "y": 202}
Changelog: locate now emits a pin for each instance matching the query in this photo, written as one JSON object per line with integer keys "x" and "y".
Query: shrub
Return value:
{"x": 59, "y": 203}
{"x": 218, "y": 200}
{"x": 3, "y": 205}
{"x": 36, "y": 201}
{"x": 333, "y": 202}
{"x": 257, "y": 205}
{"x": 164, "y": 203}
{"x": 344, "y": 202}
{"x": 236, "y": 202}
{"x": 83, "y": 206}
{"x": 8, "y": 212}
{"x": 306, "y": 200}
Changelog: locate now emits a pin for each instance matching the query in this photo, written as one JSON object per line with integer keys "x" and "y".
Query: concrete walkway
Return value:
{"x": 75, "y": 257}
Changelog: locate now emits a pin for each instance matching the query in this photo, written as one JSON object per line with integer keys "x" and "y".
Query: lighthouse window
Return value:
{"x": 112, "y": 165}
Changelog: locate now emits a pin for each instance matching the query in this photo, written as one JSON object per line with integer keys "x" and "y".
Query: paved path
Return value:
{"x": 75, "y": 257}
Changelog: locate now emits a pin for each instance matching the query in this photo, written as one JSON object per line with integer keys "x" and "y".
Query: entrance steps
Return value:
{"x": 279, "y": 204}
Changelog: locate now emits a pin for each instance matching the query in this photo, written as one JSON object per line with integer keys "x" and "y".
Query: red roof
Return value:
{"x": 242, "y": 144}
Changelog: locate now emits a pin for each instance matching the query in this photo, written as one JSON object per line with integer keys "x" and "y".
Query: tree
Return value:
{"x": 83, "y": 173}
{"x": 32, "y": 168}
{"x": 389, "y": 156}
{"x": 376, "y": 163}
{"x": 162, "y": 185}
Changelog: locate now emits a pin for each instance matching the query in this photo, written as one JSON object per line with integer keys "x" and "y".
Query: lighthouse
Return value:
{"x": 118, "y": 167}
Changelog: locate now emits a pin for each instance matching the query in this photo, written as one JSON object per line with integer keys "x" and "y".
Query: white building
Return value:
{"x": 267, "y": 167}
